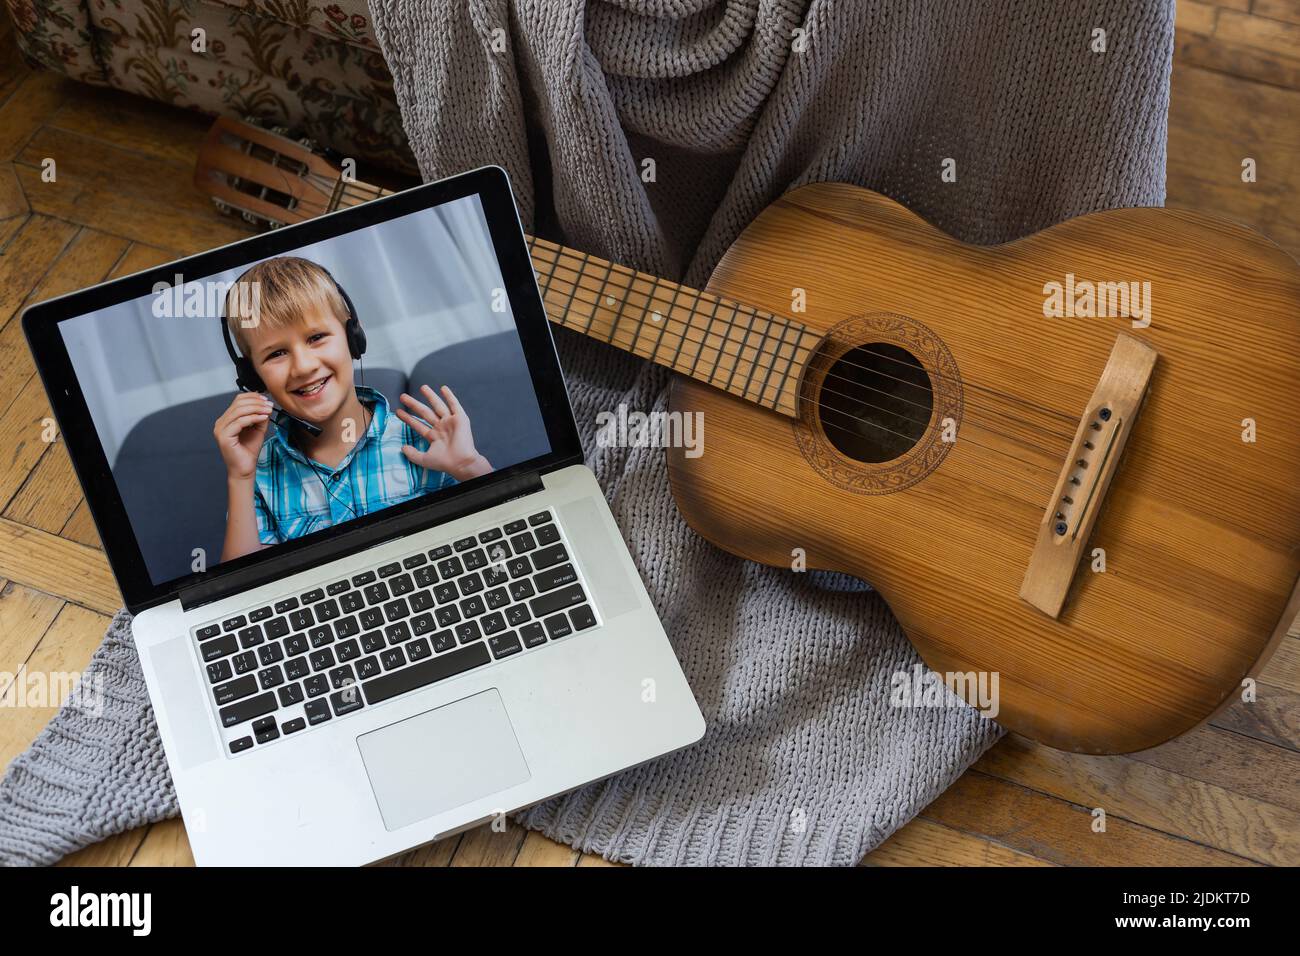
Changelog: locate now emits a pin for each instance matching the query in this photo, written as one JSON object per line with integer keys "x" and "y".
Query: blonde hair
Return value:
{"x": 277, "y": 293}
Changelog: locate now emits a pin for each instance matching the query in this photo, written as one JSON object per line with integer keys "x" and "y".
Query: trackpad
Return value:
{"x": 442, "y": 759}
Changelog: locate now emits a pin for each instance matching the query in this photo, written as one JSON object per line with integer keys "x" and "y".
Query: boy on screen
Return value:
{"x": 283, "y": 480}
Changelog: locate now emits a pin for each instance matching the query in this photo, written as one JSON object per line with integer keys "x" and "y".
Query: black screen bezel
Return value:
{"x": 40, "y": 325}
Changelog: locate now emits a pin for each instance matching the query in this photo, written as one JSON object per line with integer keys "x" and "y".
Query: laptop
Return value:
{"x": 359, "y": 635}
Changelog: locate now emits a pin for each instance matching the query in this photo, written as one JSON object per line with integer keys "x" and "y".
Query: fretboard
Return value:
{"x": 758, "y": 356}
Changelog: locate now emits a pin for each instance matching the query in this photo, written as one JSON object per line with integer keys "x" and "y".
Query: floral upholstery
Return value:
{"x": 314, "y": 67}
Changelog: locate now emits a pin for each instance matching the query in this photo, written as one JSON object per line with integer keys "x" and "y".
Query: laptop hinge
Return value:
{"x": 281, "y": 566}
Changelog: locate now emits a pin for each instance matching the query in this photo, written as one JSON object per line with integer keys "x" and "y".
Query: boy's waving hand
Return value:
{"x": 446, "y": 427}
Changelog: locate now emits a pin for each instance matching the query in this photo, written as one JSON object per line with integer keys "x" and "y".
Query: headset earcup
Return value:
{"x": 246, "y": 376}
{"x": 356, "y": 338}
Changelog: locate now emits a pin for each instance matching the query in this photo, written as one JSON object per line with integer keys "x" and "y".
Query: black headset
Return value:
{"x": 246, "y": 377}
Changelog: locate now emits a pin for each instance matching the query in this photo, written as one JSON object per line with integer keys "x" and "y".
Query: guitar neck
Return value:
{"x": 758, "y": 356}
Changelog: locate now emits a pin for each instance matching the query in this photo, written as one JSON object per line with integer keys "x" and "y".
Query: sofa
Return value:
{"x": 312, "y": 67}
{"x": 169, "y": 456}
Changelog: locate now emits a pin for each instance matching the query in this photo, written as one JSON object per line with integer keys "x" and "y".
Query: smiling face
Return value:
{"x": 306, "y": 364}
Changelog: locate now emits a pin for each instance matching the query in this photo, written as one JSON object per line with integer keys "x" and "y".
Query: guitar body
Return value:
{"x": 1198, "y": 530}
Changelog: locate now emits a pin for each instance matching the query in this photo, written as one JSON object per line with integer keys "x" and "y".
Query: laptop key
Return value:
{"x": 250, "y": 637}
{"x": 558, "y": 626}
{"x": 427, "y": 576}
{"x": 293, "y": 726}
{"x": 315, "y": 685}
{"x": 314, "y": 595}
{"x": 397, "y": 633}
{"x": 540, "y": 518}
{"x": 422, "y": 623}
{"x": 446, "y": 592}
{"x": 493, "y": 623}
{"x": 496, "y": 599}
{"x": 346, "y": 701}
{"x": 211, "y": 630}
{"x": 243, "y": 743}
{"x": 377, "y": 593}
{"x": 352, "y": 601}
{"x": 552, "y": 578}
{"x": 245, "y": 662}
{"x": 233, "y": 623}
{"x": 373, "y": 642}
{"x": 450, "y": 568}
{"x": 260, "y": 614}
{"x": 447, "y": 616}
{"x": 346, "y": 627}
{"x": 492, "y": 534}
{"x": 518, "y": 614}
{"x": 218, "y": 672}
{"x": 327, "y": 610}
{"x": 414, "y": 561}
{"x": 276, "y": 628}
{"x": 285, "y": 606}
{"x": 371, "y": 618}
{"x": 265, "y": 730}
{"x": 320, "y": 636}
{"x": 418, "y": 649}
{"x": 388, "y": 570}
{"x": 440, "y": 552}
{"x": 443, "y": 641}
{"x": 421, "y": 601}
{"x": 547, "y": 557}
{"x": 523, "y": 542}
{"x": 518, "y": 567}
{"x": 248, "y": 709}
{"x": 234, "y": 690}
{"x": 402, "y": 584}
{"x": 547, "y": 534}
{"x": 582, "y": 617}
{"x": 521, "y": 590}
{"x": 270, "y": 654}
{"x": 322, "y": 659}
{"x": 472, "y": 606}
{"x": 392, "y": 658}
{"x": 533, "y": 634}
{"x": 317, "y": 712}
{"x": 295, "y": 645}
{"x": 296, "y": 668}
{"x": 464, "y": 544}
{"x": 474, "y": 559}
{"x": 221, "y": 647}
{"x": 301, "y": 619}
{"x": 498, "y": 551}
{"x": 514, "y": 527}
{"x": 348, "y": 651}
{"x": 362, "y": 579}
{"x": 495, "y": 575}
{"x": 557, "y": 600}
{"x": 503, "y": 645}
{"x": 367, "y": 667}
{"x": 397, "y": 610}
{"x": 470, "y": 584}
{"x": 290, "y": 694}
{"x": 423, "y": 673}
{"x": 342, "y": 676}
{"x": 337, "y": 588}
{"x": 270, "y": 677}
{"x": 468, "y": 631}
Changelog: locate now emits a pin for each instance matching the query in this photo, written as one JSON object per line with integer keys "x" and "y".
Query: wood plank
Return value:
{"x": 593, "y": 859}
{"x": 1283, "y": 668}
{"x": 81, "y": 528}
{"x": 120, "y": 192}
{"x": 86, "y": 261}
{"x": 1273, "y": 717}
{"x": 64, "y": 568}
{"x": 484, "y": 846}
{"x": 23, "y": 427}
{"x": 134, "y": 124}
{"x": 165, "y": 844}
{"x": 25, "y": 615}
{"x": 13, "y": 201}
{"x": 115, "y": 851}
{"x": 1232, "y": 761}
{"x": 140, "y": 257}
{"x": 1236, "y": 59}
{"x": 1059, "y": 832}
{"x": 925, "y": 843}
{"x": 1288, "y": 10}
{"x": 541, "y": 851}
{"x": 438, "y": 853}
{"x": 1275, "y": 36}
{"x": 51, "y": 494}
{"x": 1192, "y": 17}
{"x": 65, "y": 648}
{"x": 1136, "y": 791}
{"x": 27, "y": 257}
{"x": 40, "y": 94}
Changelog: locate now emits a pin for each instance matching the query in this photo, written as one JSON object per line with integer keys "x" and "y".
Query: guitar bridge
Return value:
{"x": 1081, "y": 488}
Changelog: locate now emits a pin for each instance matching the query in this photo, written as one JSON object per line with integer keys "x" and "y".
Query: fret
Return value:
{"x": 704, "y": 340}
{"x": 618, "y": 316}
{"x": 550, "y": 275}
{"x": 564, "y": 316}
{"x": 762, "y": 392}
{"x": 789, "y": 364}
{"x": 645, "y": 309}
{"x": 681, "y": 340}
{"x": 740, "y": 354}
{"x": 726, "y": 340}
{"x": 609, "y": 271}
{"x": 686, "y": 326}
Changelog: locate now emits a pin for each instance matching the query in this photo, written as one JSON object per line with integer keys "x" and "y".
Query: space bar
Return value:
{"x": 425, "y": 672}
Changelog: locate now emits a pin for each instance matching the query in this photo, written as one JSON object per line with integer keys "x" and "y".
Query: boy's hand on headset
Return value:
{"x": 445, "y": 426}
{"x": 240, "y": 432}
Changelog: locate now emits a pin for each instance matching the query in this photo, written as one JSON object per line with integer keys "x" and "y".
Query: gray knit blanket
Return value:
{"x": 1050, "y": 109}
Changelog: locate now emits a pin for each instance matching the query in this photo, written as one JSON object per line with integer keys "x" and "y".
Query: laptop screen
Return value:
{"x": 374, "y": 367}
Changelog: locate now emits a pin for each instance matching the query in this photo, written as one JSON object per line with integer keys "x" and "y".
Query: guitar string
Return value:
{"x": 1009, "y": 399}
{"x": 759, "y": 350}
{"x": 561, "y": 252}
{"x": 866, "y": 421}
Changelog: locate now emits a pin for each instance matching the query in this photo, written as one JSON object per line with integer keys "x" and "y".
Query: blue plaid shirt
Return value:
{"x": 290, "y": 497}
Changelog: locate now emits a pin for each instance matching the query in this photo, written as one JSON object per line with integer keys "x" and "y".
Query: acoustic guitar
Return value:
{"x": 1072, "y": 461}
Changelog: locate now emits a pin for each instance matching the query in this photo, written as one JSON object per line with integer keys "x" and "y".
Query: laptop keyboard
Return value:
{"x": 288, "y": 666}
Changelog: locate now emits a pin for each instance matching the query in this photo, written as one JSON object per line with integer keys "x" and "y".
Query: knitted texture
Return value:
{"x": 804, "y": 761}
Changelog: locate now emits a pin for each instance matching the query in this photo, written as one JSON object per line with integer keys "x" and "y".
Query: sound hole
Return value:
{"x": 875, "y": 402}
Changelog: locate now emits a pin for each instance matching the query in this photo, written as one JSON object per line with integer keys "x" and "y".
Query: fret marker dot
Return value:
{"x": 657, "y": 317}
{"x": 609, "y": 300}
